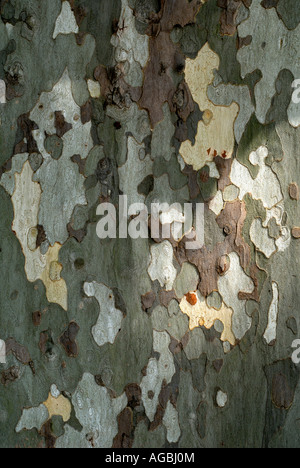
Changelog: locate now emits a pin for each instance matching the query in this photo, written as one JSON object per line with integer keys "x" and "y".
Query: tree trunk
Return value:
{"x": 113, "y": 335}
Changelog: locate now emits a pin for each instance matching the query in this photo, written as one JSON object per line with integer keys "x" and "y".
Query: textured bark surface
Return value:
{"x": 144, "y": 343}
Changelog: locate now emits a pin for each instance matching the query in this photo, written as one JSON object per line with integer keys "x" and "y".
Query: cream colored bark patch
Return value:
{"x": 94, "y": 88}
{"x": 217, "y": 203}
{"x": 56, "y": 287}
{"x": 201, "y": 315}
{"x": 216, "y": 132}
{"x": 59, "y": 406}
{"x": 26, "y": 201}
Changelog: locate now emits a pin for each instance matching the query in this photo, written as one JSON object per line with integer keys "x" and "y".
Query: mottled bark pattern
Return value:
{"x": 129, "y": 343}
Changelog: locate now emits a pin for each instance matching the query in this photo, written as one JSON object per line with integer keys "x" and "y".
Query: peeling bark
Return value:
{"x": 130, "y": 342}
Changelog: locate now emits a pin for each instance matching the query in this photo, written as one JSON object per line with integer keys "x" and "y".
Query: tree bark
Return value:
{"x": 125, "y": 342}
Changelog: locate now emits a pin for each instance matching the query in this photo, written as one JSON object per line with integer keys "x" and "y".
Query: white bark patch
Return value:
{"x": 213, "y": 171}
{"x": 261, "y": 239}
{"x": 62, "y": 184}
{"x": 110, "y": 319}
{"x": 277, "y": 212}
{"x": 97, "y": 413}
{"x": 216, "y": 204}
{"x": 2, "y": 92}
{"x": 264, "y": 187}
{"x": 8, "y": 178}
{"x": 230, "y": 193}
{"x": 221, "y": 399}
{"x": 158, "y": 370}
{"x": 2, "y": 352}
{"x": 171, "y": 422}
{"x": 54, "y": 391}
{"x": 161, "y": 267}
{"x": 229, "y": 285}
{"x": 33, "y": 418}
{"x": 271, "y": 330}
{"x": 176, "y": 220}
{"x": 294, "y": 114}
{"x": 66, "y": 21}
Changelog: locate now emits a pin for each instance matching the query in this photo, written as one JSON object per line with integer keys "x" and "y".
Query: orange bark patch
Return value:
{"x": 191, "y": 298}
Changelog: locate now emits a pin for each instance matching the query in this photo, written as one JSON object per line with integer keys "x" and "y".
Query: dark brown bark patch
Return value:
{"x": 148, "y": 300}
{"x": 68, "y": 340}
{"x": 26, "y": 142}
{"x": 10, "y": 375}
{"x": 166, "y": 57}
{"x": 61, "y": 126}
{"x": 229, "y": 15}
